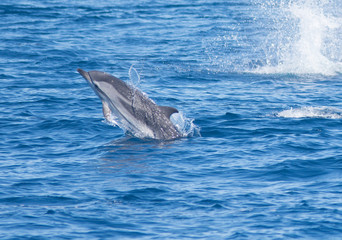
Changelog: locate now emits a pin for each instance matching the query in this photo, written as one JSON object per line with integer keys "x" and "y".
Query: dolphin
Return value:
{"x": 131, "y": 109}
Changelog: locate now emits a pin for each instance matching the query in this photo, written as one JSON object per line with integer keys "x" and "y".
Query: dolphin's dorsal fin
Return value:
{"x": 168, "y": 111}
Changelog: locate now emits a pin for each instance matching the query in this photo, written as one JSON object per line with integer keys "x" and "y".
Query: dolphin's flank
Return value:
{"x": 130, "y": 109}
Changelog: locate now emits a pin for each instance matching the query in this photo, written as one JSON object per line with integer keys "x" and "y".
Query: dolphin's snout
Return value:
{"x": 84, "y": 74}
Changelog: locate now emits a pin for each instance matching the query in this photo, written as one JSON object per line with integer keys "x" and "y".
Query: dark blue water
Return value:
{"x": 260, "y": 79}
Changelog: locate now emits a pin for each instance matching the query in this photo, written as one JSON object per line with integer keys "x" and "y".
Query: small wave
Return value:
{"x": 312, "y": 112}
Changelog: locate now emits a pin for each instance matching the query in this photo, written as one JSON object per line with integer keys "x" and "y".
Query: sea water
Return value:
{"x": 258, "y": 85}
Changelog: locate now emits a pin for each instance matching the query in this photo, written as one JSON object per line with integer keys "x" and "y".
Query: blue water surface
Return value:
{"x": 262, "y": 84}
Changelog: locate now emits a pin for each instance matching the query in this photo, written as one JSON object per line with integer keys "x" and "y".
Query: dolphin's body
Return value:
{"x": 131, "y": 109}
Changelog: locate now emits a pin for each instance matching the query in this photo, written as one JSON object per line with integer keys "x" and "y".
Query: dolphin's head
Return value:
{"x": 104, "y": 84}
{"x": 93, "y": 84}
{"x": 84, "y": 74}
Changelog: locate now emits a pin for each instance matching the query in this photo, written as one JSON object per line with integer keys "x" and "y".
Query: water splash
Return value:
{"x": 312, "y": 112}
{"x": 185, "y": 125}
{"x": 134, "y": 77}
{"x": 281, "y": 37}
{"x": 306, "y": 39}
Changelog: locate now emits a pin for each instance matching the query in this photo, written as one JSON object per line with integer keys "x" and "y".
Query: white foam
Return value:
{"x": 312, "y": 112}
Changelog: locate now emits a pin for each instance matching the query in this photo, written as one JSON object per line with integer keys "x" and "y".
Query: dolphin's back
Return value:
{"x": 154, "y": 116}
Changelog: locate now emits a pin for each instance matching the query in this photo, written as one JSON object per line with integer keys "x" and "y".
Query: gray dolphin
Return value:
{"x": 132, "y": 110}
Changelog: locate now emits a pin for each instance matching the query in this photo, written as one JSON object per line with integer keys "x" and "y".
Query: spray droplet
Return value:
{"x": 134, "y": 76}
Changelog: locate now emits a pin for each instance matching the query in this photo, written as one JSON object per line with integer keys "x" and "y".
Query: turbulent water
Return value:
{"x": 258, "y": 84}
